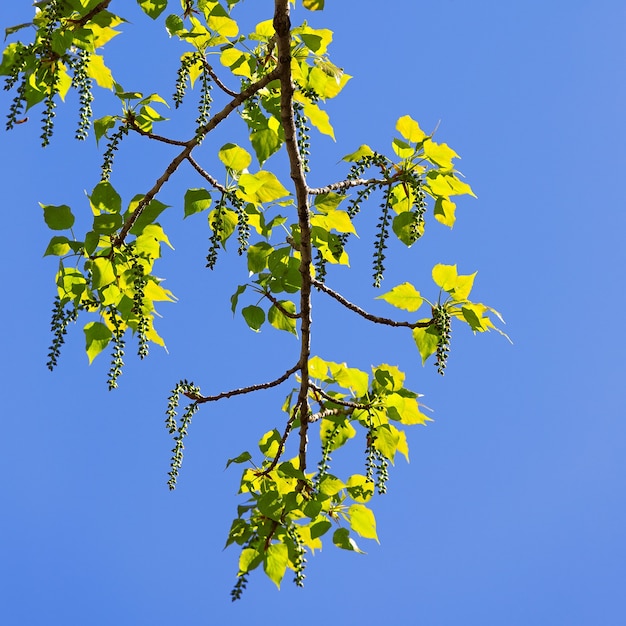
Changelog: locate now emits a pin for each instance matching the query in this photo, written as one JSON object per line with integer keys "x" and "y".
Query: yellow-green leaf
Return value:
{"x": 318, "y": 118}
{"x": 445, "y": 276}
{"x": 445, "y": 211}
{"x": 350, "y": 378}
{"x": 97, "y": 70}
{"x": 313, "y": 5}
{"x": 426, "y": 340}
{"x": 97, "y": 337}
{"x": 281, "y": 321}
{"x": 362, "y": 521}
{"x": 234, "y": 157}
{"x": 439, "y": 153}
{"x": 410, "y": 129}
{"x": 404, "y": 296}
{"x": 404, "y": 410}
{"x": 261, "y": 187}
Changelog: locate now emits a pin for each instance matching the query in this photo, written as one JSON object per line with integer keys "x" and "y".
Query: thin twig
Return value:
{"x": 346, "y": 403}
{"x": 85, "y": 18}
{"x": 173, "y": 142}
{"x": 368, "y": 316}
{"x": 283, "y": 440}
{"x": 325, "y": 413}
{"x": 243, "y": 390}
{"x": 206, "y": 175}
{"x": 218, "y": 82}
{"x": 279, "y": 306}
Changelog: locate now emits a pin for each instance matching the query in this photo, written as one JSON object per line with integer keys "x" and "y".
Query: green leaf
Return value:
{"x": 174, "y": 24}
{"x": 445, "y": 211}
{"x": 152, "y": 8}
{"x": 106, "y": 223}
{"x": 102, "y": 272}
{"x": 404, "y": 296}
{"x": 350, "y": 378}
{"x": 340, "y": 431}
{"x": 426, "y": 340}
{"x": 281, "y": 321}
{"x": 275, "y": 561}
{"x": 404, "y": 410}
{"x": 362, "y": 521}
{"x": 363, "y": 151}
{"x": 97, "y": 337}
{"x": 386, "y": 441}
{"x": 330, "y": 485}
{"x": 196, "y": 200}
{"x": 320, "y": 528}
{"x": 104, "y": 198}
{"x": 410, "y": 129}
{"x": 360, "y": 488}
{"x": 57, "y": 217}
{"x": 254, "y": 316}
{"x": 58, "y": 246}
{"x": 326, "y": 202}
{"x": 242, "y": 458}
{"x": 101, "y": 125}
{"x": 261, "y": 187}
{"x": 234, "y": 157}
{"x": 234, "y": 299}
{"x": 342, "y": 539}
{"x": 148, "y": 215}
{"x": 269, "y": 443}
{"x": 313, "y": 5}
{"x": 404, "y": 227}
{"x": 249, "y": 559}
{"x": 402, "y": 149}
{"x": 257, "y": 256}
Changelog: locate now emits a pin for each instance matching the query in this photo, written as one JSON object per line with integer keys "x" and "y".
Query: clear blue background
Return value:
{"x": 512, "y": 510}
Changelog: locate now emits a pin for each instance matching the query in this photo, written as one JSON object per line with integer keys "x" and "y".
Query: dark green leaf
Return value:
{"x": 242, "y": 458}
{"x": 57, "y": 217}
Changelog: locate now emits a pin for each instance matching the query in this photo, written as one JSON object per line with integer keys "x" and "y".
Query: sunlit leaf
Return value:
{"x": 234, "y": 157}
{"x": 153, "y": 8}
{"x": 275, "y": 561}
{"x": 404, "y": 296}
{"x": 410, "y": 129}
{"x": 97, "y": 337}
{"x": 196, "y": 200}
{"x": 426, "y": 340}
{"x": 362, "y": 521}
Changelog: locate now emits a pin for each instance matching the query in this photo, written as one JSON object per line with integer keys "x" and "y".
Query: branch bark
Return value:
{"x": 282, "y": 27}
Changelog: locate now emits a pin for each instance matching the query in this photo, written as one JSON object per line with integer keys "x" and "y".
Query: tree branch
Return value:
{"x": 279, "y": 306}
{"x": 368, "y": 316}
{"x": 282, "y": 27}
{"x": 209, "y": 68}
{"x": 243, "y": 390}
{"x": 346, "y": 403}
{"x": 206, "y": 175}
{"x": 173, "y": 142}
{"x": 347, "y": 184}
{"x": 189, "y": 146}
{"x": 101, "y": 6}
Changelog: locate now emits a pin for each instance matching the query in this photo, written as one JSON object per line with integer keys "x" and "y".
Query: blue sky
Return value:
{"x": 512, "y": 509}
